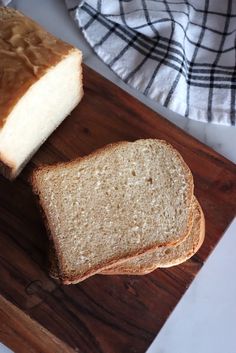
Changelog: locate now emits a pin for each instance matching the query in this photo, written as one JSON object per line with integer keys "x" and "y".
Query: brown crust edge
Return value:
{"x": 96, "y": 269}
{"x": 199, "y": 244}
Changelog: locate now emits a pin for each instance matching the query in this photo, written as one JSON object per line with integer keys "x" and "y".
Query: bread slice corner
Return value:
{"x": 166, "y": 256}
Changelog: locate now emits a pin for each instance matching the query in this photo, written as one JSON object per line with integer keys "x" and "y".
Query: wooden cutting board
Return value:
{"x": 104, "y": 314}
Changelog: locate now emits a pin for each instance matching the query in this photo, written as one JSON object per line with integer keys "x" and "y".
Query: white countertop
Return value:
{"x": 195, "y": 325}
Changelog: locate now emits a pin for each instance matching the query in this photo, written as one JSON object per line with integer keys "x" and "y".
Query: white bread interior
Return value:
{"x": 40, "y": 84}
{"x": 41, "y": 109}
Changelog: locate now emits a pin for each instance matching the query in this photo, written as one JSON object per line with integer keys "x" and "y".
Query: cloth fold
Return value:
{"x": 4, "y": 2}
{"x": 179, "y": 53}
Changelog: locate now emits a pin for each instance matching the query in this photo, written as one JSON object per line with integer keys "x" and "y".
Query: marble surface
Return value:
{"x": 205, "y": 319}
{"x": 4, "y": 349}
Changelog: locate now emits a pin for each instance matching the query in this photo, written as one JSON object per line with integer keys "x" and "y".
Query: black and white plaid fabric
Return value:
{"x": 180, "y": 53}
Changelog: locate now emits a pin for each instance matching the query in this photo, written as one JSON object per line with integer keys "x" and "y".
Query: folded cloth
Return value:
{"x": 179, "y": 53}
{"x": 4, "y": 2}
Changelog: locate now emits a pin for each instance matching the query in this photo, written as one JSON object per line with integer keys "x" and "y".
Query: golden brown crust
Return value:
{"x": 115, "y": 260}
{"x": 139, "y": 272}
{"x": 27, "y": 52}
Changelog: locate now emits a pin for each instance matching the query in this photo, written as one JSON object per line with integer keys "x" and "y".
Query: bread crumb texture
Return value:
{"x": 115, "y": 203}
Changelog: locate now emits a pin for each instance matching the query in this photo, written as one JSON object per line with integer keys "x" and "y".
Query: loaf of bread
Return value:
{"x": 40, "y": 84}
{"x": 165, "y": 256}
{"x": 115, "y": 204}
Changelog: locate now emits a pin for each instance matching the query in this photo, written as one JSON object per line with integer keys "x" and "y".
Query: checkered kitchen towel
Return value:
{"x": 180, "y": 53}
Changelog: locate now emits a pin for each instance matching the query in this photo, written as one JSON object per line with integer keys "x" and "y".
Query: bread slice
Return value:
{"x": 166, "y": 256}
{"x": 40, "y": 84}
{"x": 130, "y": 266}
{"x": 162, "y": 257}
{"x": 116, "y": 203}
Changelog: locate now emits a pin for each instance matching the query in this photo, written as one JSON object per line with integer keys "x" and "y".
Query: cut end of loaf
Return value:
{"x": 133, "y": 197}
{"x": 38, "y": 113}
{"x": 41, "y": 83}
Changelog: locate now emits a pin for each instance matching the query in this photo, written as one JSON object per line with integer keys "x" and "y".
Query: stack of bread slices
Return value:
{"x": 127, "y": 208}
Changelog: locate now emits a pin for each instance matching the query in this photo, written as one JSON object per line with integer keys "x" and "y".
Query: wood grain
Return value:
{"x": 103, "y": 314}
{"x": 23, "y": 334}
